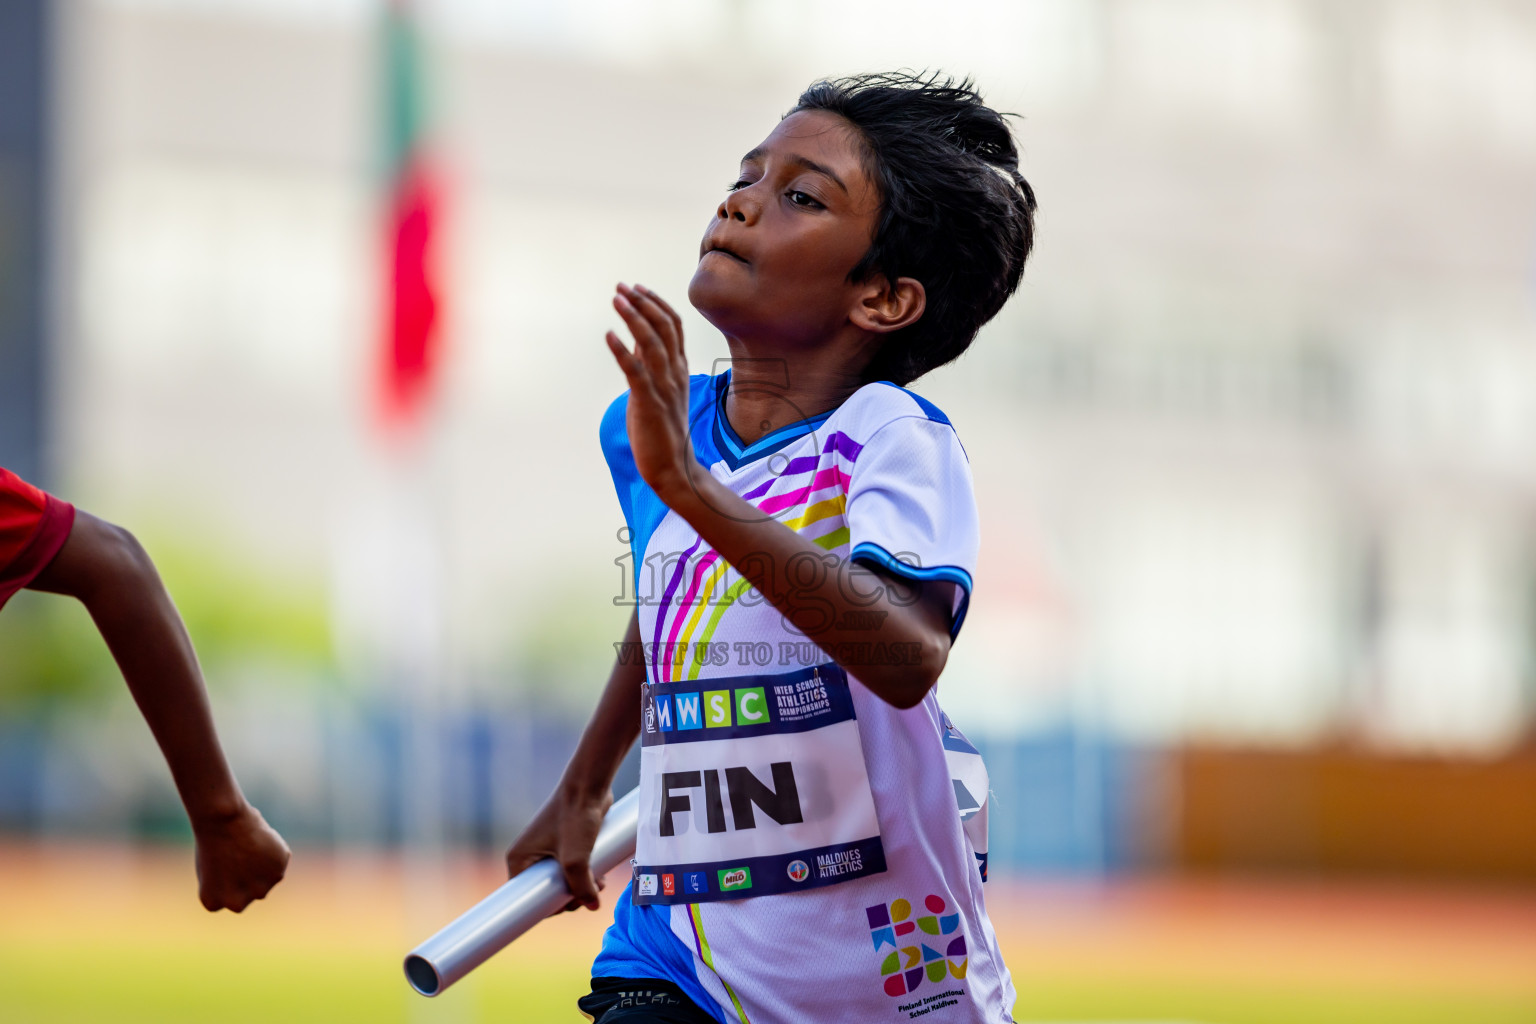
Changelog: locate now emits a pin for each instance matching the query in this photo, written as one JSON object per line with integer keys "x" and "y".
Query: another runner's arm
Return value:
{"x": 913, "y": 618}
{"x": 567, "y": 825}
{"x": 239, "y": 857}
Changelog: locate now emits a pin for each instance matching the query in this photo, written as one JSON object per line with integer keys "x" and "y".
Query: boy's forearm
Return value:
{"x": 612, "y": 729}
{"x": 147, "y": 638}
{"x": 115, "y": 579}
{"x": 764, "y": 551}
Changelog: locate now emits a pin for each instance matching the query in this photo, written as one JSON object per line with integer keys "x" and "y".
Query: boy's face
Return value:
{"x": 775, "y": 258}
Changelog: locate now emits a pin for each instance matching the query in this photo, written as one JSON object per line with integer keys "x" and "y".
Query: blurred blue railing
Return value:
{"x": 1063, "y": 801}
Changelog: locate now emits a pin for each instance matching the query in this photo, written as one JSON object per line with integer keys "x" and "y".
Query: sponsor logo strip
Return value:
{"x": 760, "y": 876}
{"x": 743, "y": 706}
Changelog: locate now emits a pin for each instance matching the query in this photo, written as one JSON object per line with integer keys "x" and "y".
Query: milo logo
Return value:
{"x": 735, "y": 878}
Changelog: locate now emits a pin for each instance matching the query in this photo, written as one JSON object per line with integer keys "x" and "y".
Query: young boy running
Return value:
{"x": 45, "y": 544}
{"x": 804, "y": 532}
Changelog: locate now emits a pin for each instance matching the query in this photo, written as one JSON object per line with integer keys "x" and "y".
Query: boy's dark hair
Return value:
{"x": 955, "y": 213}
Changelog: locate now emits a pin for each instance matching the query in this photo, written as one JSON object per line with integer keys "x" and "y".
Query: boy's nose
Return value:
{"x": 739, "y": 205}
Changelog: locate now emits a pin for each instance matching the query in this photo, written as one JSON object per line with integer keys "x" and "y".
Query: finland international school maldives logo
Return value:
{"x": 915, "y": 944}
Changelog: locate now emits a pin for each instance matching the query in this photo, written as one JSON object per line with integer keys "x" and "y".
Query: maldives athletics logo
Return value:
{"x": 798, "y": 871}
{"x": 915, "y": 944}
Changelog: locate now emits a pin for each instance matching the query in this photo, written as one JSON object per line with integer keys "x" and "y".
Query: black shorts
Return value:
{"x": 641, "y": 1001}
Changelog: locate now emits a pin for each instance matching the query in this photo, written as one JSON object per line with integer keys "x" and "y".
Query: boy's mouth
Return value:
{"x": 722, "y": 250}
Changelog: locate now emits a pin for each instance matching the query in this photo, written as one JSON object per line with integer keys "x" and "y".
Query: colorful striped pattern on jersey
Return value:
{"x": 708, "y": 956}
{"x": 824, "y": 520}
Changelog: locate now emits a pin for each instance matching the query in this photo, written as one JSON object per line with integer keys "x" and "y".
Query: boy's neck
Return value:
{"x": 767, "y": 394}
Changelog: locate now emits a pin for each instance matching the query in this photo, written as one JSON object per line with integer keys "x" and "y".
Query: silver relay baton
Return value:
{"x": 536, "y": 893}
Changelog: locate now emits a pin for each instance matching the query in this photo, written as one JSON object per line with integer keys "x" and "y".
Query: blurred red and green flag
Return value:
{"x": 412, "y": 337}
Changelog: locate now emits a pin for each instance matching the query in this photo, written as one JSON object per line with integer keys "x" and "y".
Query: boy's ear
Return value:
{"x": 884, "y": 307}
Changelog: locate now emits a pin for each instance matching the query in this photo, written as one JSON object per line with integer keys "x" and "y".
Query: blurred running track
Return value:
{"x": 105, "y": 934}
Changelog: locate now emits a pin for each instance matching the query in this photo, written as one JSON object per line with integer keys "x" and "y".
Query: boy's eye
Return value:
{"x": 740, "y": 183}
{"x": 801, "y": 198}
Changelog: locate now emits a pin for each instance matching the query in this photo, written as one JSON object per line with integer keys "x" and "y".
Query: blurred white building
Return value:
{"x": 1255, "y": 444}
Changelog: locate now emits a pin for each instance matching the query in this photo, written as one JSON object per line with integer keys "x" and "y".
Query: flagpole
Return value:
{"x": 410, "y": 368}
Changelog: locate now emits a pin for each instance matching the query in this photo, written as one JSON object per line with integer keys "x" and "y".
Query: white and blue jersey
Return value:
{"x": 807, "y": 851}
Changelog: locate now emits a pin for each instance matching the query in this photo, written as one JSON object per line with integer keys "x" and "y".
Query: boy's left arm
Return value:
{"x": 914, "y": 617}
{"x": 239, "y": 856}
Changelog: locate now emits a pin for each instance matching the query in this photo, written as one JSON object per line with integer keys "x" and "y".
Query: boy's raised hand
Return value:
{"x": 658, "y": 389}
{"x": 762, "y": 548}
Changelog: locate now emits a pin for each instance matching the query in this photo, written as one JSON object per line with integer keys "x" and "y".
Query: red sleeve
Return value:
{"x": 33, "y": 527}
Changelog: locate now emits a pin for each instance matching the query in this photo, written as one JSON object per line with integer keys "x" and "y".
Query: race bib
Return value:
{"x": 751, "y": 786}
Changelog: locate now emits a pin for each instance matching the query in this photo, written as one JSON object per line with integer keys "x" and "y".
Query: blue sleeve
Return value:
{"x": 643, "y": 511}
{"x": 634, "y": 494}
{"x": 614, "y": 438}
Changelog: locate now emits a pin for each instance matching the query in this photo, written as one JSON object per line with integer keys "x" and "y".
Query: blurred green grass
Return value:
{"x": 1110, "y": 999}
{"x": 130, "y": 982}
{"x": 237, "y": 612}
{"x": 112, "y": 934}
